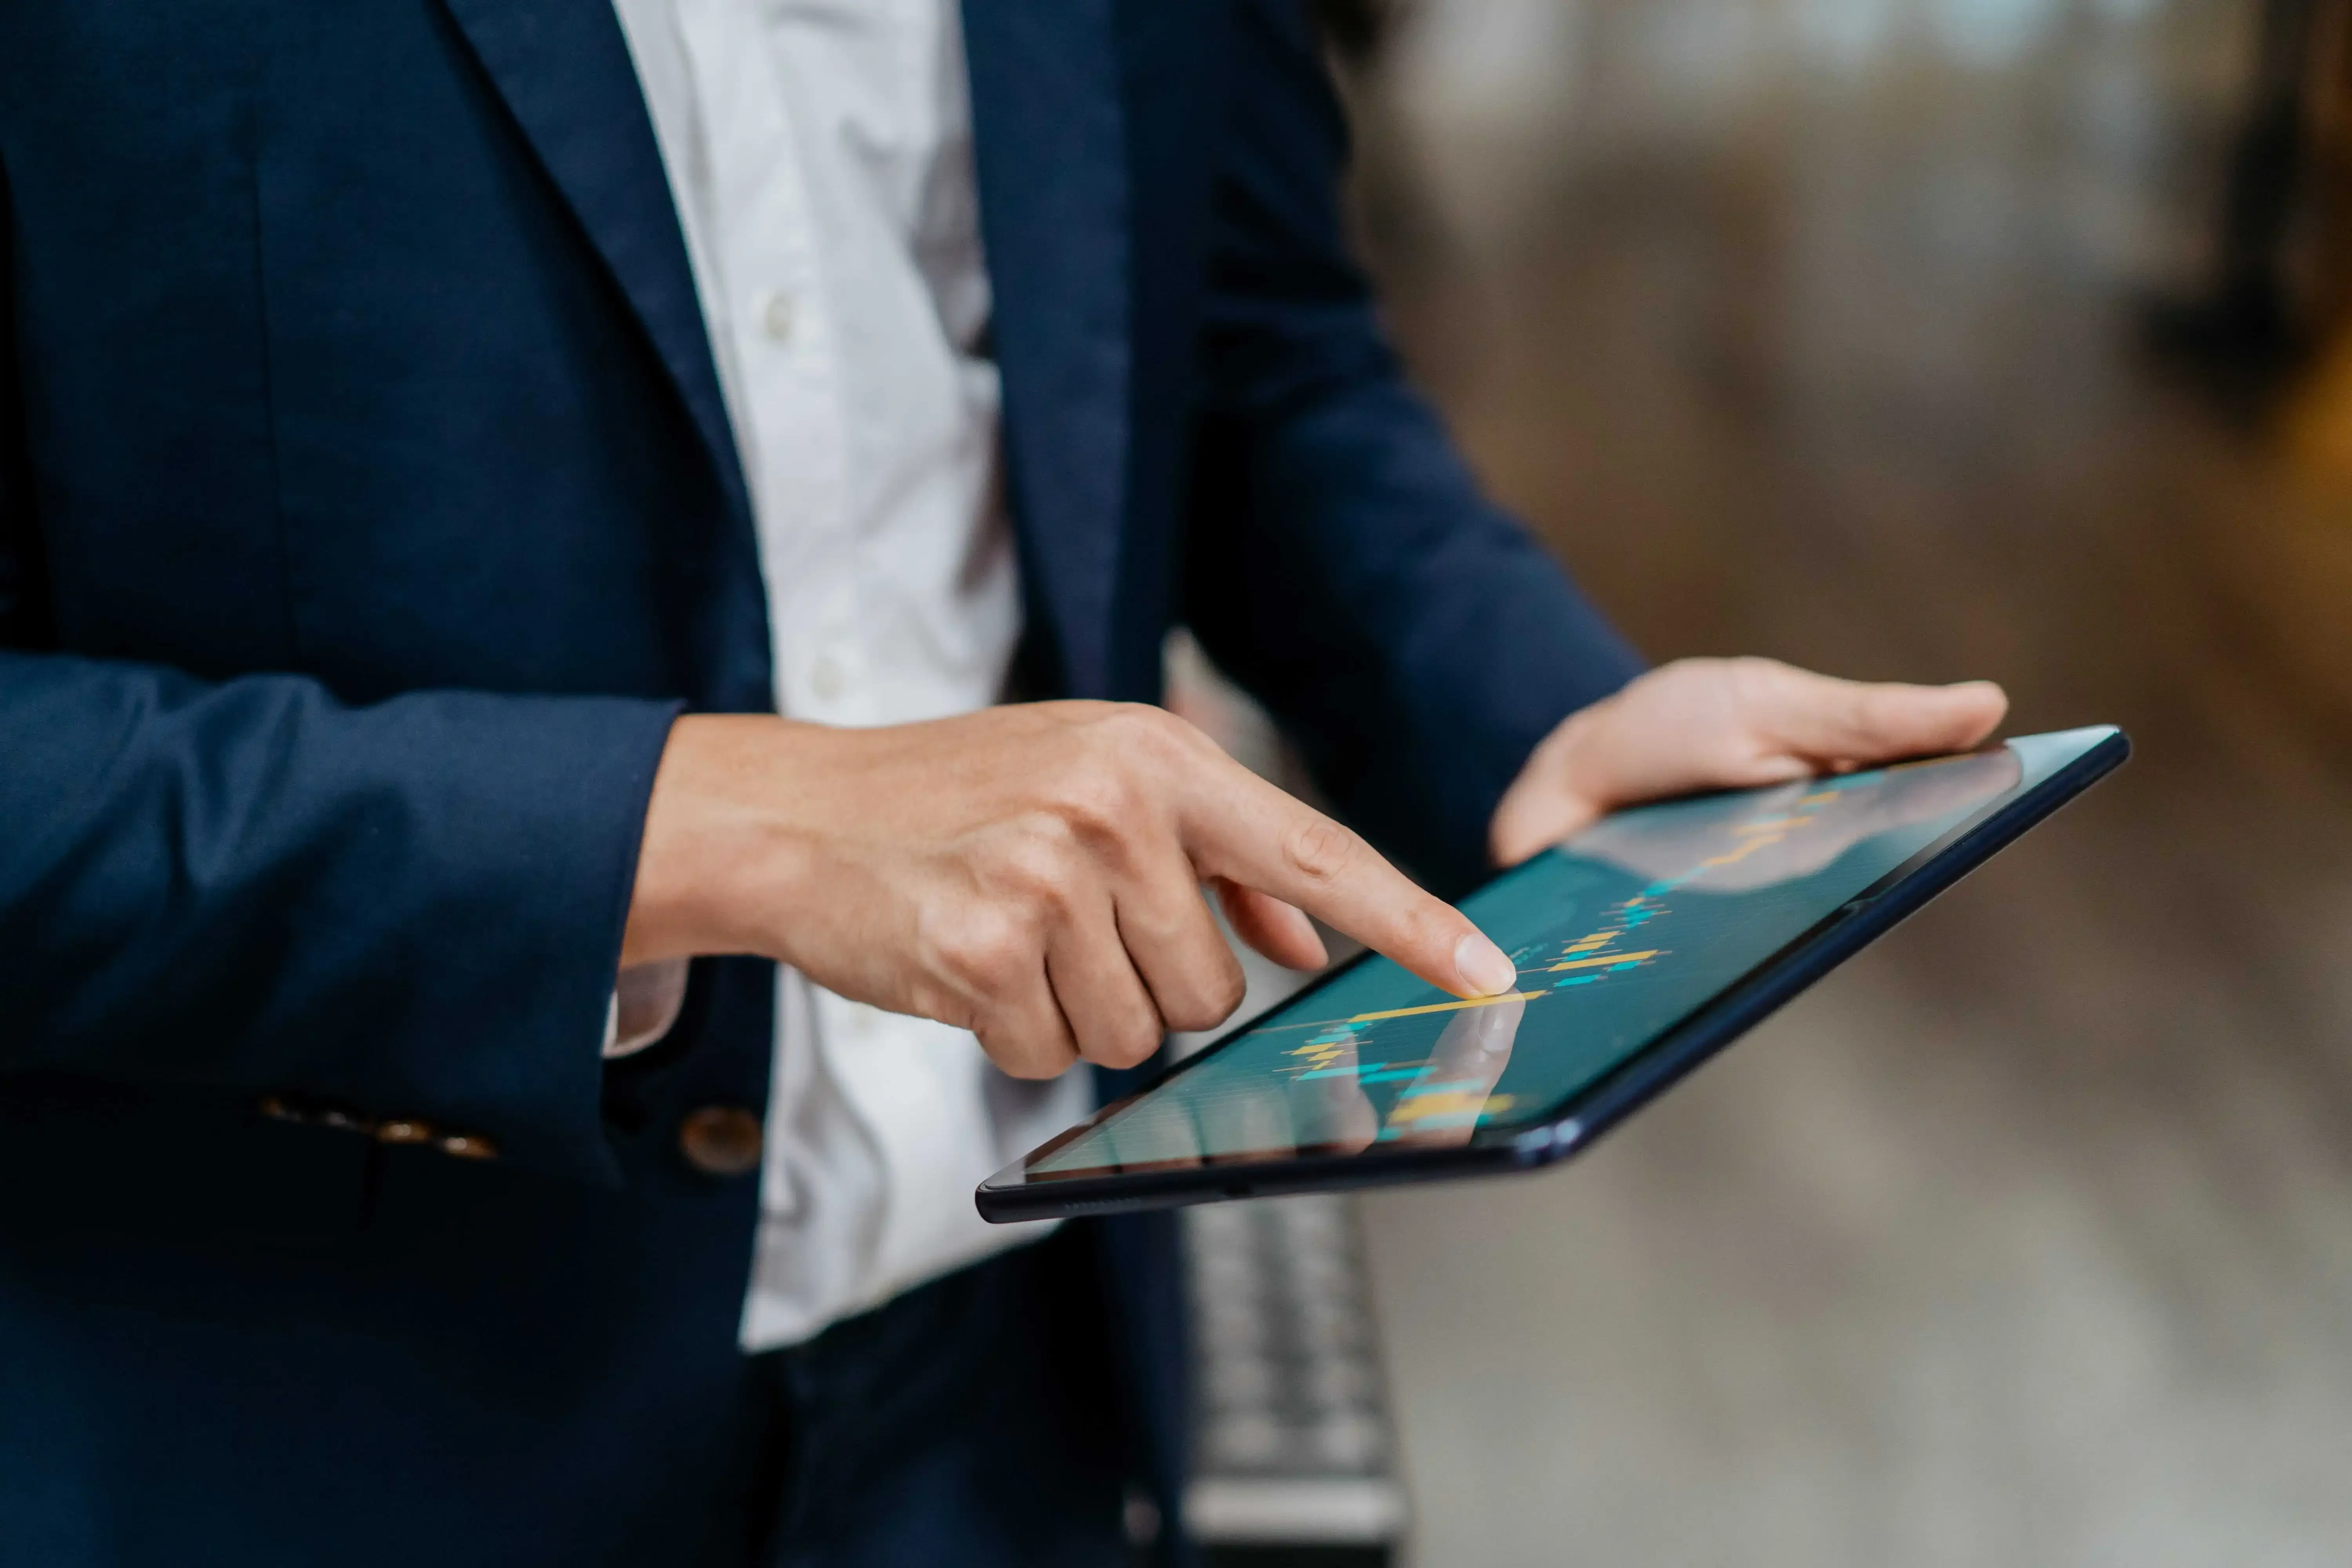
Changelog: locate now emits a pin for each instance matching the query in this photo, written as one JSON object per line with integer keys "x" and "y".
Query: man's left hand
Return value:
{"x": 1726, "y": 724}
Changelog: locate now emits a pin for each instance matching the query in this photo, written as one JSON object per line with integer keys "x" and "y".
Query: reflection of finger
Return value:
{"x": 1252, "y": 1124}
{"x": 1476, "y": 1045}
{"x": 1936, "y": 789}
{"x": 1663, "y": 844}
{"x": 1934, "y": 793}
{"x": 1448, "y": 1100}
{"x": 1927, "y": 793}
{"x": 1156, "y": 1132}
{"x": 1329, "y": 1110}
{"x": 1280, "y": 931}
{"x": 1335, "y": 1115}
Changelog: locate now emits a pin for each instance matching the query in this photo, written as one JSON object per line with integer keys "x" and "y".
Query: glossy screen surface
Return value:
{"x": 1619, "y": 934}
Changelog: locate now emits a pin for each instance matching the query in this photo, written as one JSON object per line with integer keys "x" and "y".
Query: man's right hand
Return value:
{"x": 1029, "y": 873}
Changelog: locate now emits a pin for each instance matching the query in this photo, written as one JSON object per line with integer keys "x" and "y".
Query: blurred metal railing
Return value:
{"x": 1294, "y": 1448}
{"x": 1293, "y": 1445}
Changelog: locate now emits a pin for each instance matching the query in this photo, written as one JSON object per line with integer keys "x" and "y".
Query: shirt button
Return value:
{"x": 722, "y": 1141}
{"x": 776, "y": 316}
{"x": 828, "y": 679}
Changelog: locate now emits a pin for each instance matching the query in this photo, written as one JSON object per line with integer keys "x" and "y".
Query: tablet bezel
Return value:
{"x": 1578, "y": 1120}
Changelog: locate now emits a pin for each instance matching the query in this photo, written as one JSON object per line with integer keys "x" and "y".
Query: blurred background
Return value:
{"x": 1919, "y": 339}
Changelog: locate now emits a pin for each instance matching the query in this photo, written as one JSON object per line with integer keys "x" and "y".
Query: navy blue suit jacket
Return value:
{"x": 367, "y": 510}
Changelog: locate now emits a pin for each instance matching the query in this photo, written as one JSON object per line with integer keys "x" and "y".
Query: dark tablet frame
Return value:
{"x": 1578, "y": 1120}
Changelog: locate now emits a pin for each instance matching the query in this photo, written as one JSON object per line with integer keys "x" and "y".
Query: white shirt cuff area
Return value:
{"x": 644, "y": 1006}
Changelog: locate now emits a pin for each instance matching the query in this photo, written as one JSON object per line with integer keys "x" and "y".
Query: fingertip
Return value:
{"x": 1484, "y": 969}
{"x": 1983, "y": 703}
{"x": 1933, "y": 718}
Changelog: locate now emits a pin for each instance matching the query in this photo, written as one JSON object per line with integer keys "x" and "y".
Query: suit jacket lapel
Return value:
{"x": 1051, "y": 149}
{"x": 563, "y": 68}
{"x": 1050, "y": 142}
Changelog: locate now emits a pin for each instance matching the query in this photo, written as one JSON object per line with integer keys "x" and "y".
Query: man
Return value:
{"x": 438, "y": 436}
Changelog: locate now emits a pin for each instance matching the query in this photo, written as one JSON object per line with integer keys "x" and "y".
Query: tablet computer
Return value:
{"x": 1645, "y": 944}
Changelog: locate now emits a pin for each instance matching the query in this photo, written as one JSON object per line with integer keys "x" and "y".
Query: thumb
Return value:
{"x": 1829, "y": 722}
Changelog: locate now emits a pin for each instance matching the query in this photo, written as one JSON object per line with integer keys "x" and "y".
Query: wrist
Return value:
{"x": 714, "y": 850}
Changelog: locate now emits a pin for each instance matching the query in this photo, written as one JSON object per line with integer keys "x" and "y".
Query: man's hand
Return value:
{"x": 1726, "y": 724}
{"x": 1029, "y": 873}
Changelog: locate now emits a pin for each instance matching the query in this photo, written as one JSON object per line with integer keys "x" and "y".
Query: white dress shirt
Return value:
{"x": 820, "y": 154}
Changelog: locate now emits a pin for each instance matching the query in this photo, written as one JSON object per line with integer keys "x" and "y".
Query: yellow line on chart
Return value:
{"x": 1605, "y": 959}
{"x": 1747, "y": 847}
{"x": 1449, "y": 1006}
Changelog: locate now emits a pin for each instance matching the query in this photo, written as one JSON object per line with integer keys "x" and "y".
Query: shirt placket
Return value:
{"x": 786, "y": 343}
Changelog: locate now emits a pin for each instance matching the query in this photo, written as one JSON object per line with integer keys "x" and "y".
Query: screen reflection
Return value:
{"x": 1619, "y": 933}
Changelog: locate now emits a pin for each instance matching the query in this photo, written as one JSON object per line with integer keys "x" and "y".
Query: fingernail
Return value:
{"x": 1485, "y": 970}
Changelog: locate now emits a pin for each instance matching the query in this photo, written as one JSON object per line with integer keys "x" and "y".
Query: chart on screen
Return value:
{"x": 1616, "y": 935}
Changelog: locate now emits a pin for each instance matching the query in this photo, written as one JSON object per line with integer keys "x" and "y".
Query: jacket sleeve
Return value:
{"x": 1341, "y": 563}
{"x": 413, "y": 908}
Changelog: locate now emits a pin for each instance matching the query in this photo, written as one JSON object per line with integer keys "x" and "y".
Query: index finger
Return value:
{"x": 1237, "y": 826}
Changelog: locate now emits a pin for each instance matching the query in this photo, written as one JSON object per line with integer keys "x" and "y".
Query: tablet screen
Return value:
{"x": 1619, "y": 934}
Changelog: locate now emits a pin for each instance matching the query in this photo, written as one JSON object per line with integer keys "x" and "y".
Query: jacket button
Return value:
{"x": 720, "y": 1141}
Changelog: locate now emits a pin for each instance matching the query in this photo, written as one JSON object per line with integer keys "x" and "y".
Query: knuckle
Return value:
{"x": 1752, "y": 676}
{"x": 1205, "y": 1011}
{"x": 1109, "y": 727}
{"x": 1208, "y": 999}
{"x": 1144, "y": 740}
{"x": 1039, "y": 863}
{"x": 1019, "y": 1057}
{"x": 1139, "y": 723}
{"x": 1873, "y": 709}
{"x": 1191, "y": 1012}
{"x": 1128, "y": 1042}
{"x": 1230, "y": 990}
{"x": 985, "y": 950}
{"x": 1321, "y": 851}
{"x": 1430, "y": 927}
{"x": 1100, "y": 801}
